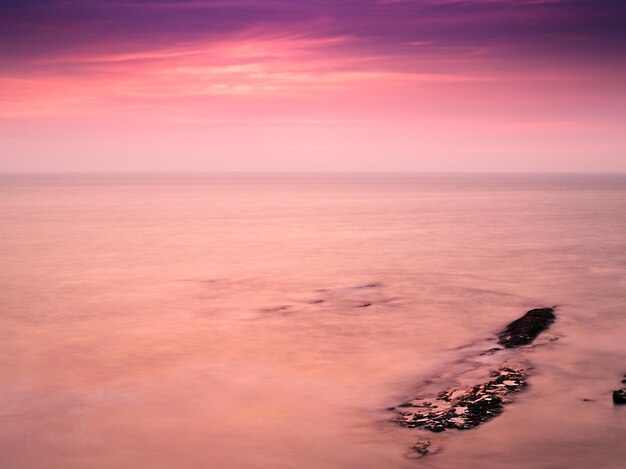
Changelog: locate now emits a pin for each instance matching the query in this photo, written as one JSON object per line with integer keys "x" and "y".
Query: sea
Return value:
{"x": 233, "y": 320}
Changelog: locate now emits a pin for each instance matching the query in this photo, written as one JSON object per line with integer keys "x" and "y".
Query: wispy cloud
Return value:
{"x": 64, "y": 56}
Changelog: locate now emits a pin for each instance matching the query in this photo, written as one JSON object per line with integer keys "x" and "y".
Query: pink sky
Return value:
{"x": 372, "y": 85}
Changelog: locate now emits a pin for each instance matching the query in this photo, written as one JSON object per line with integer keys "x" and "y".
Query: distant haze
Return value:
{"x": 342, "y": 85}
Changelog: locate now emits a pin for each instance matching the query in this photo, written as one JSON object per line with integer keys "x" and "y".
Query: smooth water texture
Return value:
{"x": 267, "y": 321}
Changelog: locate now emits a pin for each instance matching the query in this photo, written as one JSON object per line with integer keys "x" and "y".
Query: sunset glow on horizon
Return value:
{"x": 279, "y": 85}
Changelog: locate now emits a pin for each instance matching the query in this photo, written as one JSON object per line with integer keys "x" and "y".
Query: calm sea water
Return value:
{"x": 267, "y": 321}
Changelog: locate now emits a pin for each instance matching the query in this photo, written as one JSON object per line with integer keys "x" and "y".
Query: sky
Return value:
{"x": 313, "y": 85}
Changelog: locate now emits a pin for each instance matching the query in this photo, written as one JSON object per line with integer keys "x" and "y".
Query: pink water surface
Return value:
{"x": 267, "y": 321}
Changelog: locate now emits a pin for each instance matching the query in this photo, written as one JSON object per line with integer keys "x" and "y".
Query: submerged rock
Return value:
{"x": 464, "y": 409}
{"x": 424, "y": 448}
{"x": 524, "y": 330}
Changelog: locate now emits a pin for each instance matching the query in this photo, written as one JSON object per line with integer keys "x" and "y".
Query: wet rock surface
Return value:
{"x": 524, "y": 330}
{"x": 463, "y": 408}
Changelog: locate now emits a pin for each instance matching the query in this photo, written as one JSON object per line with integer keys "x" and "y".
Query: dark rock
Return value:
{"x": 524, "y": 330}
{"x": 365, "y": 305}
{"x": 464, "y": 409}
{"x": 619, "y": 396}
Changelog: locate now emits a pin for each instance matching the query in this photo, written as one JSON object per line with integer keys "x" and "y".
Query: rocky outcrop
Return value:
{"x": 465, "y": 404}
{"x": 524, "y": 330}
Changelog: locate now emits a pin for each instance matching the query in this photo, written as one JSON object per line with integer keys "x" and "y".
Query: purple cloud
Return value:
{"x": 35, "y": 29}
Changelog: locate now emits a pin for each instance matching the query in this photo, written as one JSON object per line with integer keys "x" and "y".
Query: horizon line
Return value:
{"x": 302, "y": 172}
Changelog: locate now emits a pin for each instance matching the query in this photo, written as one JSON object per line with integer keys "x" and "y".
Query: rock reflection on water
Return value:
{"x": 237, "y": 322}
